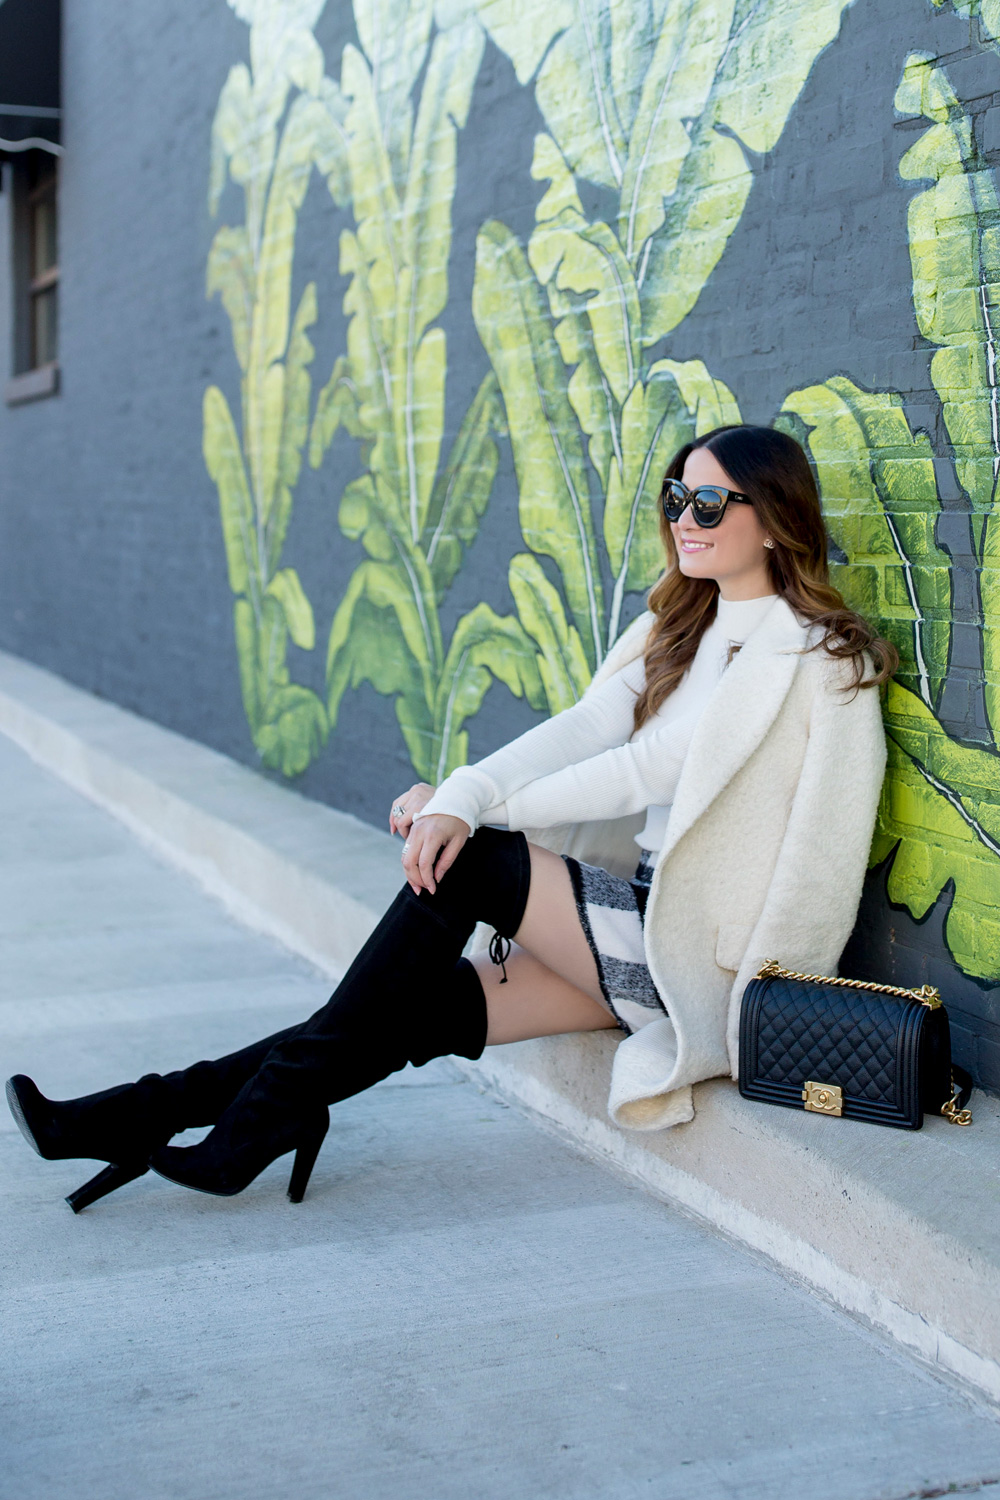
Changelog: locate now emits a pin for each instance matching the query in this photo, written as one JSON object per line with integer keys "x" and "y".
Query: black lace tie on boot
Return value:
{"x": 499, "y": 953}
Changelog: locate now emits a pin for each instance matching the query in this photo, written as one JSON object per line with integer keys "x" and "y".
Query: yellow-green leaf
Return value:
{"x": 224, "y": 462}
{"x": 548, "y": 451}
{"x": 562, "y": 661}
{"x": 287, "y": 589}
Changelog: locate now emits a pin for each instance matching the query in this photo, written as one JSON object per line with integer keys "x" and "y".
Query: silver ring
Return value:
{"x": 405, "y": 847}
{"x": 398, "y": 810}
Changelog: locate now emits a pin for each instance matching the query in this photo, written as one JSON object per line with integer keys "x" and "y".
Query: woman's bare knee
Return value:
{"x": 534, "y": 1001}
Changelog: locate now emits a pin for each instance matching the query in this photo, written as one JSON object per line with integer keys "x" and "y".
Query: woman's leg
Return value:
{"x": 409, "y": 996}
{"x": 552, "y": 984}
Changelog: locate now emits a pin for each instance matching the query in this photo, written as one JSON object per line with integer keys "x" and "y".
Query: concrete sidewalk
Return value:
{"x": 464, "y": 1306}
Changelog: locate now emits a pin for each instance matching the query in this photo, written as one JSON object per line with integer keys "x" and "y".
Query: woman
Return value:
{"x": 733, "y": 735}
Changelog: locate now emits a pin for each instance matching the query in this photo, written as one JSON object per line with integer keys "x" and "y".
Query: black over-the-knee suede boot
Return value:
{"x": 407, "y": 997}
{"x": 124, "y": 1125}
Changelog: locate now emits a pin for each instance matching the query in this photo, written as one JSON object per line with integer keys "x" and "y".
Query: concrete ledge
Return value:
{"x": 901, "y": 1229}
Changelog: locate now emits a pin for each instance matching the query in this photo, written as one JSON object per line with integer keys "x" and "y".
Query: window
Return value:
{"x": 43, "y": 278}
{"x": 35, "y": 283}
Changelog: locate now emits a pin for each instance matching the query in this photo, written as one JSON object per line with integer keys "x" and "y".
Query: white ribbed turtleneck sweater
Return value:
{"x": 586, "y": 762}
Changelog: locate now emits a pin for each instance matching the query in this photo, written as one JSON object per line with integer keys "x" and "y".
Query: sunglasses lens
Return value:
{"x": 674, "y": 498}
{"x": 708, "y": 504}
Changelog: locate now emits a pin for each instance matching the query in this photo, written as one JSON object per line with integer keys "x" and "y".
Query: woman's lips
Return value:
{"x": 690, "y": 545}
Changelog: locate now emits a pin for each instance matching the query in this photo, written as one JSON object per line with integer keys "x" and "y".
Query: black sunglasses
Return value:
{"x": 707, "y": 501}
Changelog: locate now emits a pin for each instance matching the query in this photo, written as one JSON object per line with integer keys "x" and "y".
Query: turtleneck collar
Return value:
{"x": 738, "y": 618}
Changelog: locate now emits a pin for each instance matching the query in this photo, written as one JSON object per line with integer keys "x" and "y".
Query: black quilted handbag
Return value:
{"x": 843, "y": 1047}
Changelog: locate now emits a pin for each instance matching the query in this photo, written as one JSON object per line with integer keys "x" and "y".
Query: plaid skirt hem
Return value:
{"x": 611, "y": 914}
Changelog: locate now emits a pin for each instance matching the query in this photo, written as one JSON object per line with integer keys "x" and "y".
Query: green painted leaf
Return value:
{"x": 377, "y": 636}
{"x": 711, "y": 195}
{"x": 589, "y": 389}
{"x": 587, "y": 259}
{"x": 245, "y": 634}
{"x": 224, "y": 462}
{"x": 240, "y": 148}
{"x": 562, "y": 661}
{"x": 675, "y": 88}
{"x": 394, "y": 35}
{"x": 524, "y": 32}
{"x": 940, "y": 812}
{"x": 230, "y": 273}
{"x": 355, "y": 656}
{"x": 710, "y": 402}
{"x": 330, "y": 146}
{"x": 635, "y": 28}
{"x": 294, "y": 731}
{"x": 548, "y": 450}
{"x": 286, "y": 588}
{"x": 771, "y": 53}
{"x": 987, "y": 12}
{"x": 485, "y": 647}
{"x": 881, "y": 504}
{"x": 573, "y": 83}
{"x": 955, "y": 256}
{"x": 292, "y": 169}
{"x": 590, "y": 395}
{"x": 655, "y": 423}
{"x": 336, "y": 406}
{"x": 462, "y": 489}
{"x": 294, "y": 425}
{"x": 768, "y": 57}
{"x": 368, "y": 356}
{"x": 430, "y": 183}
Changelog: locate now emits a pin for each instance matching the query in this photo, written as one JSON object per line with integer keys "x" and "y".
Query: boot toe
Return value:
{"x": 28, "y": 1106}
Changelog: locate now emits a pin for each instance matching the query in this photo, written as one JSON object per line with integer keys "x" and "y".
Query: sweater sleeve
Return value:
{"x": 626, "y": 779}
{"x": 603, "y": 718}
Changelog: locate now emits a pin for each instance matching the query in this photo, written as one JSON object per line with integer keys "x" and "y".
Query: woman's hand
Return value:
{"x": 431, "y": 849}
{"x": 412, "y": 802}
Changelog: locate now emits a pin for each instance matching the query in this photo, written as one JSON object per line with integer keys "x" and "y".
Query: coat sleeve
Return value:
{"x": 812, "y": 900}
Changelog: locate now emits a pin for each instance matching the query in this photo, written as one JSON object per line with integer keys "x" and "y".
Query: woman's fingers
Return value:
{"x": 406, "y": 807}
{"x": 449, "y": 854}
{"x": 431, "y": 849}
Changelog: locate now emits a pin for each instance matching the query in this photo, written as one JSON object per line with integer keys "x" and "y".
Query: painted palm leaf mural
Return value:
{"x": 659, "y": 105}
{"x": 940, "y": 816}
{"x": 269, "y": 148}
{"x": 415, "y": 509}
{"x": 653, "y": 113}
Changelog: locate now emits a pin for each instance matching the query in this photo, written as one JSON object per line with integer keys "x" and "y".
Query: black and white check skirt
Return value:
{"x": 611, "y": 912}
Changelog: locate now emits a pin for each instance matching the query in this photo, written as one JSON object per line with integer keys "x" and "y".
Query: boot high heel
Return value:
{"x": 123, "y": 1126}
{"x": 245, "y": 1141}
{"x": 61, "y": 1130}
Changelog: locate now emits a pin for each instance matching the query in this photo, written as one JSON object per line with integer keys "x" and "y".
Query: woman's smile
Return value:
{"x": 694, "y": 544}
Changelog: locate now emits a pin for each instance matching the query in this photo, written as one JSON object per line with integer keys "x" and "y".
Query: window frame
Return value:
{"x": 33, "y": 178}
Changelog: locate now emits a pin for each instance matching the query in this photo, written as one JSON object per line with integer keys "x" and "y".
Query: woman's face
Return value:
{"x": 733, "y": 552}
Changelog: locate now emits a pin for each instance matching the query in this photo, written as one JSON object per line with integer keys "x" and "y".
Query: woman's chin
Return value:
{"x": 695, "y": 566}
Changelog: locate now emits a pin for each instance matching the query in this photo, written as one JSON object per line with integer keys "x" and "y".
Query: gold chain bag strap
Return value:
{"x": 845, "y": 1047}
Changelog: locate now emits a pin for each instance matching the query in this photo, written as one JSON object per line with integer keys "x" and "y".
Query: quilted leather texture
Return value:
{"x": 889, "y": 1055}
{"x": 838, "y": 1036}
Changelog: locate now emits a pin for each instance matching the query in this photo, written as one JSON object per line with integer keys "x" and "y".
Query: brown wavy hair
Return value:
{"x": 773, "y": 470}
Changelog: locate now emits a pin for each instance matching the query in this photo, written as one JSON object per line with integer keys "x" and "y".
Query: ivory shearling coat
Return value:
{"x": 764, "y": 856}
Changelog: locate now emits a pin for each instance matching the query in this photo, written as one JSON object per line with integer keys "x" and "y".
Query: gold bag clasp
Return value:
{"x": 824, "y": 1098}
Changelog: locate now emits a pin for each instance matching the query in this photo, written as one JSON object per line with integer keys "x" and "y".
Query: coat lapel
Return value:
{"x": 737, "y": 717}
